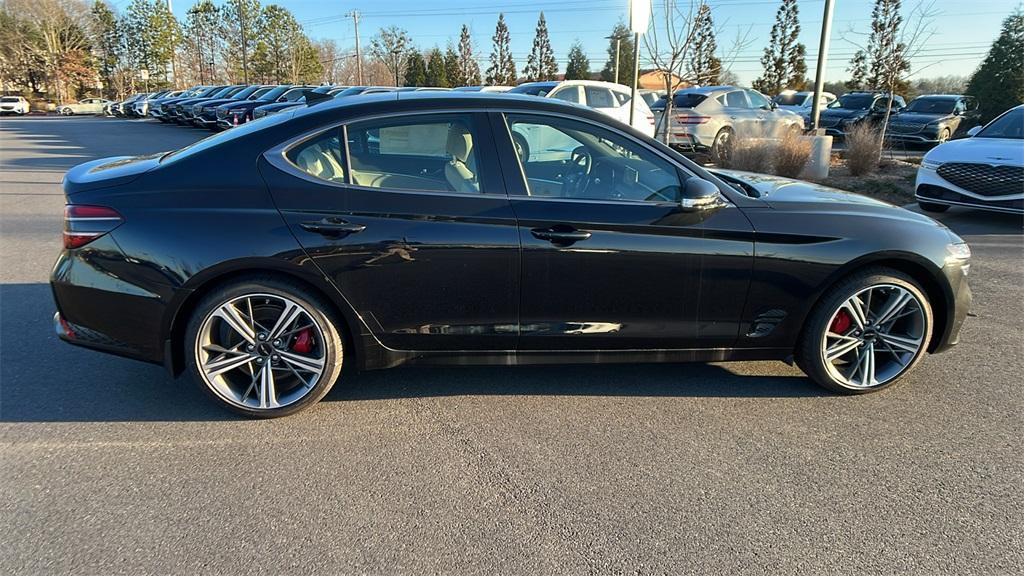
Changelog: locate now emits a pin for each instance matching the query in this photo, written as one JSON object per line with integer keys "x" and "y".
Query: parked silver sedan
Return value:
{"x": 707, "y": 119}
{"x": 85, "y": 106}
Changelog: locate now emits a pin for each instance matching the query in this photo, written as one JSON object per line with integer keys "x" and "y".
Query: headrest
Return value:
{"x": 460, "y": 142}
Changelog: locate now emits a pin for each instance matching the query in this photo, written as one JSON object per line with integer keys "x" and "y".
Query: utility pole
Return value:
{"x": 819, "y": 74}
{"x": 639, "y": 18}
{"x": 359, "y": 55}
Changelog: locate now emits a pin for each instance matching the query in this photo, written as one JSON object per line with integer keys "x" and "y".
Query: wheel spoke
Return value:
{"x": 304, "y": 363}
{"x": 894, "y": 306}
{"x": 863, "y": 372}
{"x": 903, "y": 343}
{"x": 239, "y": 323}
{"x": 268, "y": 393}
{"x": 288, "y": 316}
{"x": 221, "y": 365}
{"x": 845, "y": 345}
{"x": 856, "y": 309}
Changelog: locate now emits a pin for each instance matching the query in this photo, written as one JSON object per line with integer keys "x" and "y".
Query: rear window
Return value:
{"x": 683, "y": 100}
{"x": 796, "y": 99}
{"x": 532, "y": 90}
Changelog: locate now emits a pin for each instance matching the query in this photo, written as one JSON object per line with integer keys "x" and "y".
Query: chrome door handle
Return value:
{"x": 562, "y": 237}
{"x": 332, "y": 227}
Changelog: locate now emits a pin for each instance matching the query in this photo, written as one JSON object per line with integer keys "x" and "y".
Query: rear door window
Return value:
{"x": 598, "y": 97}
{"x": 569, "y": 94}
{"x": 736, "y": 99}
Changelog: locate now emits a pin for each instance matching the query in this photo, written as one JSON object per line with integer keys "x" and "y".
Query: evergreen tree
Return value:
{"x": 783, "y": 60}
{"x": 858, "y": 70}
{"x": 625, "y": 41}
{"x": 578, "y": 67}
{"x": 469, "y": 69}
{"x": 502, "y": 71}
{"x": 705, "y": 66}
{"x": 279, "y": 45}
{"x": 202, "y": 42}
{"x": 415, "y": 70}
{"x": 998, "y": 83}
{"x": 241, "y": 28}
{"x": 436, "y": 73}
{"x": 887, "y": 62}
{"x": 306, "y": 67}
{"x": 452, "y": 71}
{"x": 541, "y": 64}
{"x": 108, "y": 39}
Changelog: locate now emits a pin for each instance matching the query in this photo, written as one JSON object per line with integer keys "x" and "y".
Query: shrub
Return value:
{"x": 750, "y": 155}
{"x": 791, "y": 155}
{"x": 862, "y": 150}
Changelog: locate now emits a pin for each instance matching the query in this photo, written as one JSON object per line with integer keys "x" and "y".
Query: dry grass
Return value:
{"x": 784, "y": 157}
{"x": 791, "y": 154}
{"x": 750, "y": 155}
{"x": 892, "y": 182}
{"x": 862, "y": 150}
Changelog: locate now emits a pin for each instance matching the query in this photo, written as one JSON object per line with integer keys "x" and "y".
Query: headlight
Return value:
{"x": 930, "y": 164}
{"x": 959, "y": 253}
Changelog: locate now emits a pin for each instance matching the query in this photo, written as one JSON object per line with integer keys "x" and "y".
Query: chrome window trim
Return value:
{"x": 277, "y": 156}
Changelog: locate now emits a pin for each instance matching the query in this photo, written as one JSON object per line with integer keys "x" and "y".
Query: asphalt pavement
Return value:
{"x": 109, "y": 466}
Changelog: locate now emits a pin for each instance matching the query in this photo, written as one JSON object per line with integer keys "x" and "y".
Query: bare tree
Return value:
{"x": 62, "y": 25}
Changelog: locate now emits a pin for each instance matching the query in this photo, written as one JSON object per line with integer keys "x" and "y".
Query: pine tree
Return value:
{"x": 578, "y": 67}
{"x": 241, "y": 27}
{"x": 415, "y": 70}
{"x": 502, "y": 71}
{"x": 541, "y": 64}
{"x": 998, "y": 83}
{"x": 887, "y": 62}
{"x": 783, "y": 60}
{"x": 705, "y": 66}
{"x": 202, "y": 42}
{"x": 108, "y": 40}
{"x": 858, "y": 70}
{"x": 625, "y": 63}
{"x": 272, "y": 61}
{"x": 469, "y": 69}
{"x": 451, "y": 68}
{"x": 436, "y": 73}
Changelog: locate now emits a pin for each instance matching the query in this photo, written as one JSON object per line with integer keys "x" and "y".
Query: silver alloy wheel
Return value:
{"x": 873, "y": 336}
{"x": 260, "y": 351}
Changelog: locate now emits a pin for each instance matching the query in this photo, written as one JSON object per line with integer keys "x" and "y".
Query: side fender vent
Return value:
{"x": 765, "y": 323}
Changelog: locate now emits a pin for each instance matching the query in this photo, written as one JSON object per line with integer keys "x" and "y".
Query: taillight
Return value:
{"x": 83, "y": 224}
{"x": 691, "y": 119}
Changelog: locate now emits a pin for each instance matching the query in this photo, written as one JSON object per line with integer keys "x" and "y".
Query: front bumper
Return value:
{"x": 932, "y": 188}
{"x": 958, "y": 304}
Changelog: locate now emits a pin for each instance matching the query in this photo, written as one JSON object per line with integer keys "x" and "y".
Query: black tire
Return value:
{"x": 318, "y": 309}
{"x": 809, "y": 354}
{"x": 932, "y": 207}
{"x": 721, "y": 147}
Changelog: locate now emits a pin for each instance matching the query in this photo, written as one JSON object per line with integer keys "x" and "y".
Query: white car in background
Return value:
{"x": 482, "y": 89}
{"x": 84, "y": 106}
{"x": 800, "y": 102}
{"x": 611, "y": 99}
{"x": 983, "y": 171}
{"x": 13, "y": 105}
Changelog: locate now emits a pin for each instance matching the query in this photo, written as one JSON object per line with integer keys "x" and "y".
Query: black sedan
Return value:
{"x": 934, "y": 119}
{"x": 425, "y": 228}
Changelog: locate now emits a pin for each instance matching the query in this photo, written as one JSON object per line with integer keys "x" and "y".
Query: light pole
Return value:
{"x": 618, "y": 42}
{"x": 819, "y": 74}
{"x": 395, "y": 53}
{"x": 639, "y": 17}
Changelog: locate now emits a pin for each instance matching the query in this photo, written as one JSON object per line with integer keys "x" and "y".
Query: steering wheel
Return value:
{"x": 578, "y": 177}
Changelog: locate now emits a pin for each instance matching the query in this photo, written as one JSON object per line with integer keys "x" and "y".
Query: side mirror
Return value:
{"x": 699, "y": 194}
{"x": 974, "y": 131}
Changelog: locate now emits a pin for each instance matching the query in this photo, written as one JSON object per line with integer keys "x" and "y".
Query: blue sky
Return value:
{"x": 963, "y": 29}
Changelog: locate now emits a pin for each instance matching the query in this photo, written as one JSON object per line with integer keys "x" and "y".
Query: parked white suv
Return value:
{"x": 612, "y": 99}
{"x": 13, "y": 105}
{"x": 800, "y": 102}
{"x": 983, "y": 171}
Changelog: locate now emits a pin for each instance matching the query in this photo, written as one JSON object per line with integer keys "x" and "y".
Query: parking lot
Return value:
{"x": 109, "y": 466}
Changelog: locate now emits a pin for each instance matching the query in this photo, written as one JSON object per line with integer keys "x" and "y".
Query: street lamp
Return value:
{"x": 396, "y": 52}
{"x": 618, "y": 42}
{"x": 639, "y": 18}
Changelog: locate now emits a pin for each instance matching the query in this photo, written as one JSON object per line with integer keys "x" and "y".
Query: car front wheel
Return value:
{"x": 866, "y": 332}
{"x": 264, "y": 347}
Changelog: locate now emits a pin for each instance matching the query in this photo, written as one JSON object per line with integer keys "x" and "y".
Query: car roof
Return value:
{"x": 708, "y": 89}
{"x": 942, "y": 96}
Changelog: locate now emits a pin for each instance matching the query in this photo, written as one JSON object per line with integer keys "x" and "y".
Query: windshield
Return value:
{"x": 10, "y": 99}
{"x": 294, "y": 94}
{"x": 681, "y": 100}
{"x": 1009, "y": 125}
{"x": 273, "y": 93}
{"x": 245, "y": 92}
{"x": 931, "y": 106}
{"x": 259, "y": 93}
{"x": 533, "y": 89}
{"x": 854, "y": 101}
{"x": 796, "y": 99}
{"x": 350, "y": 91}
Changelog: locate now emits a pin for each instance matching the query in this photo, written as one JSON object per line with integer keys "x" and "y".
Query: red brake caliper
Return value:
{"x": 303, "y": 343}
{"x": 841, "y": 323}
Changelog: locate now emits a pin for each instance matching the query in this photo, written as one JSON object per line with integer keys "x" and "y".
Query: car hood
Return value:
{"x": 984, "y": 150}
{"x": 786, "y": 193}
{"x": 918, "y": 118}
{"x": 243, "y": 104}
{"x": 842, "y": 113}
{"x": 108, "y": 172}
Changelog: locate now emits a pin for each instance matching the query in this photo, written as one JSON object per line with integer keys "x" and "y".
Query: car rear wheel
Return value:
{"x": 264, "y": 348}
{"x": 866, "y": 332}
{"x": 932, "y": 207}
{"x": 721, "y": 147}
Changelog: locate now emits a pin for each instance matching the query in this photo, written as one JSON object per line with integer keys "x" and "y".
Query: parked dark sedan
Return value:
{"x": 468, "y": 228}
{"x": 855, "y": 108}
{"x": 204, "y": 113}
{"x": 275, "y": 107}
{"x": 934, "y": 119}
